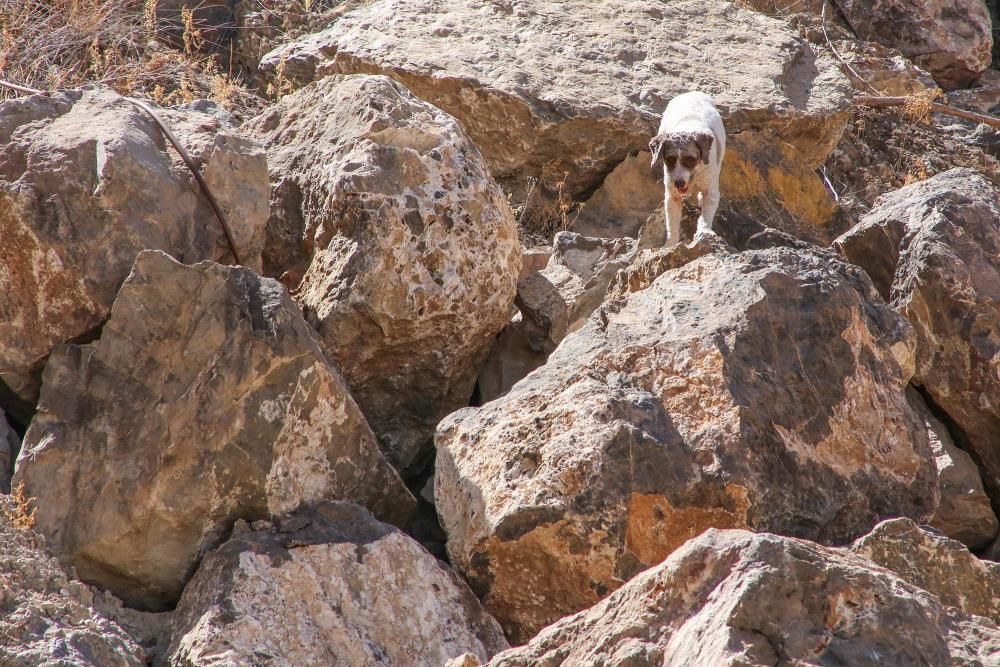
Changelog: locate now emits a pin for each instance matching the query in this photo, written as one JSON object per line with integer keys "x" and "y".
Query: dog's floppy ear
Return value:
{"x": 704, "y": 142}
{"x": 656, "y": 146}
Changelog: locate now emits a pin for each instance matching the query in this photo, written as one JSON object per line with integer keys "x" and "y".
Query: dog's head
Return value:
{"x": 683, "y": 153}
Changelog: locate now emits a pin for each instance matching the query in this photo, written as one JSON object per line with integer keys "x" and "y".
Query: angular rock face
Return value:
{"x": 933, "y": 249}
{"x": 86, "y": 182}
{"x": 951, "y": 39}
{"x": 964, "y": 513}
{"x": 49, "y": 618}
{"x": 583, "y": 85}
{"x": 206, "y": 399}
{"x": 558, "y": 299}
{"x": 332, "y": 586}
{"x": 936, "y": 564}
{"x": 763, "y": 389}
{"x": 731, "y": 597}
{"x": 414, "y": 251}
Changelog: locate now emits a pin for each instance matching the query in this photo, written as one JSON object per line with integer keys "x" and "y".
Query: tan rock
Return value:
{"x": 731, "y": 597}
{"x": 206, "y": 399}
{"x": 563, "y": 92}
{"x": 763, "y": 389}
{"x": 412, "y": 249}
{"x": 86, "y": 182}
{"x": 49, "y": 617}
{"x": 326, "y": 588}
{"x": 951, "y": 39}
{"x": 936, "y": 564}
{"x": 933, "y": 249}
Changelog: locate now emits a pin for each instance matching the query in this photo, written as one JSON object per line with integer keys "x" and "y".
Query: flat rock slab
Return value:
{"x": 48, "y": 616}
{"x": 933, "y": 250}
{"x": 206, "y": 399}
{"x": 330, "y": 587}
{"x": 762, "y": 389}
{"x": 87, "y": 182}
{"x": 411, "y": 249}
{"x": 565, "y": 91}
{"x": 731, "y": 597}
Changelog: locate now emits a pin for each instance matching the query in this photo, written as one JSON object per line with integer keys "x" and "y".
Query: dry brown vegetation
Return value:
{"x": 52, "y": 44}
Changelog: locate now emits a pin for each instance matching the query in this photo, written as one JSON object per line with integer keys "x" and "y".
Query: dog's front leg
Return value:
{"x": 709, "y": 205}
{"x": 674, "y": 212}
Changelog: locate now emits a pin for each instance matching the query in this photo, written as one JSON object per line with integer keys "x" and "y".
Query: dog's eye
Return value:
{"x": 671, "y": 161}
{"x": 689, "y": 162}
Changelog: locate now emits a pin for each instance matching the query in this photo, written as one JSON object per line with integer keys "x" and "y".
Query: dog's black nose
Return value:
{"x": 679, "y": 184}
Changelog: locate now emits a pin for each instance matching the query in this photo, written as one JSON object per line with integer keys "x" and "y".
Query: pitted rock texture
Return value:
{"x": 933, "y": 250}
{"x": 48, "y": 617}
{"x": 206, "y": 399}
{"x": 565, "y": 91}
{"x": 731, "y": 597}
{"x": 964, "y": 513}
{"x": 413, "y": 249}
{"x": 951, "y": 39}
{"x": 936, "y": 564}
{"x": 329, "y": 587}
{"x": 762, "y": 389}
{"x": 86, "y": 182}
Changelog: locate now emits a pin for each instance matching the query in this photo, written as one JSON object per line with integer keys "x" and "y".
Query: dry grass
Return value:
{"x": 547, "y": 209}
{"x": 20, "y": 512}
{"x": 52, "y": 44}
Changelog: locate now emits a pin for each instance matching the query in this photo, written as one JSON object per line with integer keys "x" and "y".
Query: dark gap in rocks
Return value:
{"x": 424, "y": 527}
{"x": 18, "y": 411}
{"x": 959, "y": 438}
{"x": 476, "y": 400}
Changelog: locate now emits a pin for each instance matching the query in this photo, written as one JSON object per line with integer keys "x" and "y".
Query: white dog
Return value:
{"x": 691, "y": 143}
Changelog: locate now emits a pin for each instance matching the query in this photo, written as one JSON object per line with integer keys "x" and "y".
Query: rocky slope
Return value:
{"x": 460, "y": 405}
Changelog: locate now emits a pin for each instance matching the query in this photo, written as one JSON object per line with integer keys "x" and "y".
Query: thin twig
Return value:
{"x": 878, "y": 101}
{"x": 180, "y": 151}
{"x": 846, "y": 64}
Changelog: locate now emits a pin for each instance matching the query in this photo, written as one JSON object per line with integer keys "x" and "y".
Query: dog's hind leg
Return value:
{"x": 674, "y": 212}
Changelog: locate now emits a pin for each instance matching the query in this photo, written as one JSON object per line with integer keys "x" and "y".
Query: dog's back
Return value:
{"x": 693, "y": 111}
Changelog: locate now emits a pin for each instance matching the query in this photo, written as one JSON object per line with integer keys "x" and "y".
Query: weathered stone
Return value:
{"x": 514, "y": 354}
{"x": 560, "y": 93}
{"x": 964, "y": 513}
{"x": 206, "y": 399}
{"x": 559, "y": 298}
{"x": 951, "y": 39}
{"x": 86, "y": 182}
{"x": 327, "y": 587}
{"x": 763, "y": 389}
{"x": 49, "y": 618}
{"x": 414, "y": 250}
{"x": 933, "y": 250}
{"x": 10, "y": 443}
{"x": 732, "y": 597}
{"x": 936, "y": 564}
{"x": 624, "y": 201}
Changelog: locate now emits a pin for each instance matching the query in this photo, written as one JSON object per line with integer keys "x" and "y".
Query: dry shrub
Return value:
{"x": 52, "y": 44}
{"x": 547, "y": 209}
{"x": 20, "y": 511}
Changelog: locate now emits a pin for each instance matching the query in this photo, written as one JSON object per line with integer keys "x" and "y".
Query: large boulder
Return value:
{"x": 731, "y": 597}
{"x": 411, "y": 247}
{"x": 206, "y": 399}
{"x": 936, "y": 564}
{"x": 557, "y": 94}
{"x": 86, "y": 182}
{"x": 951, "y": 39}
{"x": 762, "y": 389}
{"x": 331, "y": 586}
{"x": 48, "y": 617}
{"x": 933, "y": 250}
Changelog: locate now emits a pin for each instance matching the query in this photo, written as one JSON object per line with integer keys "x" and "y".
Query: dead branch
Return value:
{"x": 876, "y": 101}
